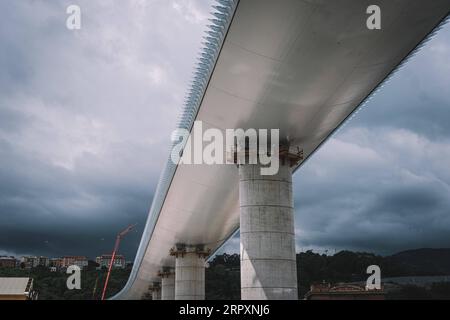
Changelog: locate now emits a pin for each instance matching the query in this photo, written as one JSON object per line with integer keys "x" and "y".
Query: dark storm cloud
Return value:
{"x": 417, "y": 98}
{"x": 385, "y": 204}
{"x": 383, "y": 183}
{"x": 49, "y": 208}
{"x": 86, "y": 116}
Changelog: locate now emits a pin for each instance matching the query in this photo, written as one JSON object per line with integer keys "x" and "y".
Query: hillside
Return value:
{"x": 223, "y": 277}
{"x": 423, "y": 262}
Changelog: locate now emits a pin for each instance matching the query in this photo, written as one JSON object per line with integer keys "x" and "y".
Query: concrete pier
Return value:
{"x": 167, "y": 284}
{"x": 189, "y": 272}
{"x": 268, "y": 260}
{"x": 156, "y": 291}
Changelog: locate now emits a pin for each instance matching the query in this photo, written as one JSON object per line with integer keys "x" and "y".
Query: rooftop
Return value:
{"x": 15, "y": 286}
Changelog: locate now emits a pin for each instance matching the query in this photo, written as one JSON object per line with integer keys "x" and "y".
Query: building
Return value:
{"x": 79, "y": 261}
{"x": 33, "y": 262}
{"x": 17, "y": 289}
{"x": 105, "y": 259}
{"x": 30, "y": 261}
{"x": 56, "y": 263}
{"x": 7, "y": 262}
{"x": 43, "y": 261}
{"x": 343, "y": 291}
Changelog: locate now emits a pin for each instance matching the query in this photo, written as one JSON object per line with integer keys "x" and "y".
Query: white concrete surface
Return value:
{"x": 168, "y": 286}
{"x": 156, "y": 293}
{"x": 190, "y": 276}
{"x": 268, "y": 261}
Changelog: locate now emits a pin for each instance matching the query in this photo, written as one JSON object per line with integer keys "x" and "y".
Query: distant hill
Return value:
{"x": 223, "y": 277}
{"x": 422, "y": 262}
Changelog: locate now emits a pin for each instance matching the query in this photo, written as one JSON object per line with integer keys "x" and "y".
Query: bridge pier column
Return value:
{"x": 268, "y": 258}
{"x": 156, "y": 291}
{"x": 167, "y": 284}
{"x": 189, "y": 272}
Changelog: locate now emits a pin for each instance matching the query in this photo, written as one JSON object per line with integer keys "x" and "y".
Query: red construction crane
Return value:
{"x": 120, "y": 235}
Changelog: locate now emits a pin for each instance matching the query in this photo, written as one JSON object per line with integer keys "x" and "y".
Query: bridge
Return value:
{"x": 304, "y": 67}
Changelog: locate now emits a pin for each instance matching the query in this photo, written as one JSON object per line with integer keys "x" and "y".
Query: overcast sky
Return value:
{"x": 86, "y": 117}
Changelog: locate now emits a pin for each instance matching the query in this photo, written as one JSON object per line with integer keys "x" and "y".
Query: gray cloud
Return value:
{"x": 382, "y": 184}
{"x": 387, "y": 201}
{"x": 417, "y": 98}
{"x": 86, "y": 116}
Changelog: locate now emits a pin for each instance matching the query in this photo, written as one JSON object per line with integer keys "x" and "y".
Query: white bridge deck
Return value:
{"x": 302, "y": 66}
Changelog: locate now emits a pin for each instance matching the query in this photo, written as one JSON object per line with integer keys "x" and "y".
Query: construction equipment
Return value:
{"x": 119, "y": 237}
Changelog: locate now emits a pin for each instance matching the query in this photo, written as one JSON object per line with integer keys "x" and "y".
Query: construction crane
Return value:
{"x": 119, "y": 237}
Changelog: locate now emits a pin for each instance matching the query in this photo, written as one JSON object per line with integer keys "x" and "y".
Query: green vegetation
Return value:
{"x": 344, "y": 266}
{"x": 223, "y": 278}
{"x": 52, "y": 285}
{"x": 223, "y": 275}
{"x": 437, "y": 291}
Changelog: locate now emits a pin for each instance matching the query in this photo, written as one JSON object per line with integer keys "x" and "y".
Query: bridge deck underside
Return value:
{"x": 300, "y": 66}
